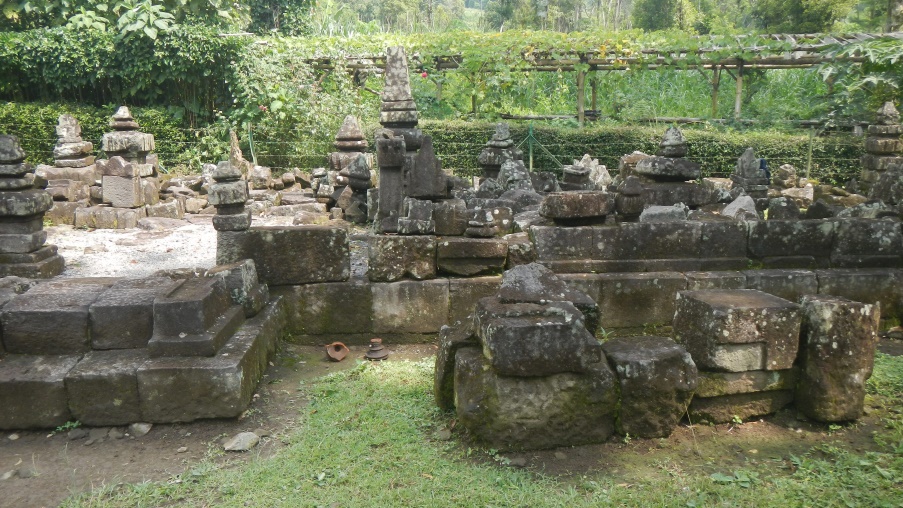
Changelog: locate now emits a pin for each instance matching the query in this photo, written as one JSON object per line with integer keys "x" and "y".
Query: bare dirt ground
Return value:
{"x": 50, "y": 466}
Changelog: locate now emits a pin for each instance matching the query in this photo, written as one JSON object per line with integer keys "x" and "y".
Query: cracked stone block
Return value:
{"x": 33, "y": 391}
{"x": 784, "y": 283}
{"x": 394, "y": 258}
{"x": 471, "y": 256}
{"x": 527, "y": 339}
{"x": 103, "y": 387}
{"x": 657, "y": 378}
{"x": 737, "y": 330}
{"x": 530, "y": 413}
{"x": 838, "y": 352}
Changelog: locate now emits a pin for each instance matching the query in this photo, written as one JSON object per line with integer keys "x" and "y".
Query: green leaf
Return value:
{"x": 150, "y": 32}
{"x": 721, "y": 478}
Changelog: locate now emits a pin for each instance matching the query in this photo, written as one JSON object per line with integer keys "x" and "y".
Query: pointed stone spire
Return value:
{"x": 122, "y": 120}
{"x": 350, "y": 136}
{"x": 673, "y": 144}
{"x": 887, "y": 114}
{"x": 398, "y": 108}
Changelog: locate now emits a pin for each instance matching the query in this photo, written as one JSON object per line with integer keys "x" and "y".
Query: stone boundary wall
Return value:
{"x": 413, "y": 311}
{"x": 720, "y": 245}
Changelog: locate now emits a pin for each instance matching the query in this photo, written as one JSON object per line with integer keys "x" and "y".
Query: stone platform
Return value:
{"x": 89, "y": 350}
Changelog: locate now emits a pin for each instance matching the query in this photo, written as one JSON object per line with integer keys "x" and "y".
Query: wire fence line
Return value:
{"x": 458, "y": 156}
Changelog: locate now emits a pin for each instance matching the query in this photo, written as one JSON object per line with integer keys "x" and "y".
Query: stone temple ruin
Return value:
{"x": 717, "y": 298}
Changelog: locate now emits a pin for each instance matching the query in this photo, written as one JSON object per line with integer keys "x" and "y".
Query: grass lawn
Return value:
{"x": 372, "y": 436}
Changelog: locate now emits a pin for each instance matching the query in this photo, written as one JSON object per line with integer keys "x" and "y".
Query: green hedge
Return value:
{"x": 35, "y": 125}
{"x": 834, "y": 157}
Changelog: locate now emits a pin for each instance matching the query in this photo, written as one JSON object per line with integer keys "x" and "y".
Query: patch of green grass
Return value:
{"x": 366, "y": 439}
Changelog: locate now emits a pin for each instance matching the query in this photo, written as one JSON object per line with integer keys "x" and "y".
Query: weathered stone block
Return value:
{"x": 533, "y": 413}
{"x": 463, "y": 295}
{"x": 410, "y": 306}
{"x": 22, "y": 243}
{"x": 556, "y": 243}
{"x": 103, "y": 387}
{"x": 717, "y": 384}
{"x": 638, "y": 299}
{"x": 635, "y": 240}
{"x": 742, "y": 405}
{"x": 534, "y": 283}
{"x": 577, "y": 204}
{"x": 715, "y": 280}
{"x": 122, "y": 192}
{"x": 123, "y": 316}
{"x": 668, "y": 169}
{"x": 194, "y": 319}
{"x": 520, "y": 250}
{"x": 228, "y": 193}
{"x": 786, "y": 284}
{"x": 471, "y": 256}
{"x": 33, "y": 391}
{"x": 24, "y": 203}
{"x": 837, "y": 355}
{"x": 657, "y": 378}
{"x": 243, "y": 285}
{"x": 736, "y": 330}
{"x": 40, "y": 323}
{"x": 393, "y": 258}
{"x": 780, "y": 239}
{"x": 233, "y": 221}
{"x": 169, "y": 209}
{"x": 527, "y": 339}
{"x": 63, "y": 212}
{"x": 104, "y": 217}
{"x": 723, "y": 239}
{"x": 275, "y": 253}
{"x": 451, "y": 338}
{"x": 330, "y": 308}
{"x": 867, "y": 243}
{"x": 188, "y": 388}
{"x": 670, "y": 193}
{"x": 867, "y": 285}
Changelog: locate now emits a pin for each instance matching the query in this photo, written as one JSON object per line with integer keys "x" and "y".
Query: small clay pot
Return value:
{"x": 337, "y": 351}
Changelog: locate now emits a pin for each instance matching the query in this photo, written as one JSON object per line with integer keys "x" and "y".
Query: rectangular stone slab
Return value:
{"x": 410, "y": 306}
{"x": 329, "y": 308}
{"x": 741, "y": 405}
{"x": 737, "y": 329}
{"x": 715, "y": 384}
{"x": 103, "y": 387}
{"x": 33, "y": 392}
{"x": 47, "y": 323}
{"x": 394, "y": 258}
{"x": 275, "y": 253}
{"x": 788, "y": 284}
{"x": 471, "y": 256}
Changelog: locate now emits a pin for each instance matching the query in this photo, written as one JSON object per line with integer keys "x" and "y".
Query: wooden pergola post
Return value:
{"x": 716, "y": 83}
{"x": 581, "y": 97}
{"x": 594, "y": 92}
{"x": 738, "y": 95}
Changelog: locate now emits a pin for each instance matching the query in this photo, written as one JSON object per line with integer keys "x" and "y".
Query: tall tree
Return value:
{"x": 800, "y": 16}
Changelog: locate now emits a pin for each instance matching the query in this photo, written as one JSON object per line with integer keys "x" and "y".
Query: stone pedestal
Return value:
{"x": 22, "y": 208}
{"x": 883, "y": 147}
{"x": 498, "y": 150}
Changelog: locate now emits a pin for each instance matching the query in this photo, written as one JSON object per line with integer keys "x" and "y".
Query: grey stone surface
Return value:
{"x": 657, "y": 379}
{"x": 742, "y": 405}
{"x": 533, "y": 413}
{"x": 783, "y": 283}
{"x": 577, "y": 205}
{"x": 526, "y": 339}
{"x": 737, "y": 330}
{"x": 274, "y": 251}
{"x": 33, "y": 391}
{"x": 123, "y": 316}
{"x": 471, "y": 256}
{"x": 410, "y": 306}
{"x": 329, "y": 308}
{"x": 451, "y": 339}
{"x": 103, "y": 387}
{"x": 48, "y": 323}
{"x": 717, "y": 384}
{"x": 837, "y": 355}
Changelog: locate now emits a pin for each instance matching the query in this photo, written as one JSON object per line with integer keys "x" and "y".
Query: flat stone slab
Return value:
{"x": 737, "y": 330}
{"x": 33, "y": 391}
{"x": 123, "y": 316}
{"x": 471, "y": 256}
{"x": 394, "y": 258}
{"x": 657, "y": 378}
{"x": 716, "y": 384}
{"x": 577, "y": 204}
{"x": 47, "y": 323}
{"x": 743, "y": 406}
{"x": 103, "y": 387}
{"x": 668, "y": 169}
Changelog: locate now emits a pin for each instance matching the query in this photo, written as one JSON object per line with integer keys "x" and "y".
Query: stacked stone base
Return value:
{"x": 78, "y": 349}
